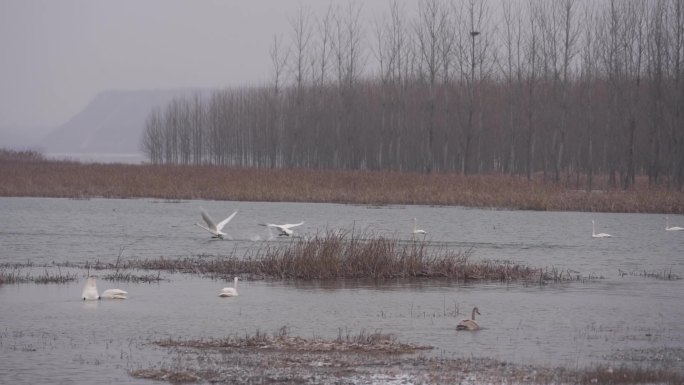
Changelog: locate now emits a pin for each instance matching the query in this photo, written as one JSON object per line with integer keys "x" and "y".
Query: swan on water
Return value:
{"x": 230, "y": 291}
{"x": 416, "y": 230}
{"x": 599, "y": 235}
{"x": 114, "y": 294}
{"x": 469, "y": 324}
{"x": 668, "y": 228}
{"x": 285, "y": 230}
{"x": 212, "y": 227}
{"x": 90, "y": 292}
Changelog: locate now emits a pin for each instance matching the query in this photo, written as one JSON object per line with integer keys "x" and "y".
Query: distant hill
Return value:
{"x": 112, "y": 123}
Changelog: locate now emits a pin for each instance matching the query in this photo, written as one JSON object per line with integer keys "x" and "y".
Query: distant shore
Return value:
{"x": 37, "y": 177}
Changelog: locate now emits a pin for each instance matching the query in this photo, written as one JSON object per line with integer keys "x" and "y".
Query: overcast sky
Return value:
{"x": 55, "y": 56}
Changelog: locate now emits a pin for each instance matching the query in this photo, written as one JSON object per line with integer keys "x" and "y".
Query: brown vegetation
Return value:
{"x": 365, "y": 358}
{"x": 16, "y": 276}
{"x": 76, "y": 180}
{"x": 365, "y": 342}
{"x": 340, "y": 256}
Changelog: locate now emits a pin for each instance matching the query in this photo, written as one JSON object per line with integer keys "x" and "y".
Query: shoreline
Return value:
{"x": 64, "y": 179}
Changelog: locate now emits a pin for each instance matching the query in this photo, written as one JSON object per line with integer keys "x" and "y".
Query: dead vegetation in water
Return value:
{"x": 15, "y": 276}
{"x": 65, "y": 179}
{"x": 336, "y": 255}
{"x": 282, "y": 341}
{"x": 663, "y": 275}
{"x": 263, "y": 358}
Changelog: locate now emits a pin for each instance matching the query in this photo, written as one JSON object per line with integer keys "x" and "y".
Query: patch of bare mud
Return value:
{"x": 373, "y": 358}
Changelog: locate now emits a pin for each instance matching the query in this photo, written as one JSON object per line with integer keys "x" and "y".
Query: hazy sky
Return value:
{"x": 55, "y": 56}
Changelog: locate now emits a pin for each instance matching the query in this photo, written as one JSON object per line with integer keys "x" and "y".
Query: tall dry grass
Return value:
{"x": 344, "y": 256}
{"x": 42, "y": 178}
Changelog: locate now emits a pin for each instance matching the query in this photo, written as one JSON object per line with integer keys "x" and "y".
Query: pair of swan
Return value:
{"x": 216, "y": 229}
{"x": 604, "y": 235}
{"x": 674, "y": 228}
{"x": 469, "y": 324}
{"x": 90, "y": 292}
{"x": 599, "y": 235}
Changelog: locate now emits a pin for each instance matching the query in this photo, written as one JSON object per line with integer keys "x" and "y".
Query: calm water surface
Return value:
{"x": 48, "y": 335}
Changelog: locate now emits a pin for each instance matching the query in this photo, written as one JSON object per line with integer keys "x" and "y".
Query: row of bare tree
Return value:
{"x": 473, "y": 86}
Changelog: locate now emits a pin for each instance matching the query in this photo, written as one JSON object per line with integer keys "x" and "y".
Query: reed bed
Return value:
{"x": 342, "y": 255}
{"x": 41, "y": 178}
{"x": 17, "y": 276}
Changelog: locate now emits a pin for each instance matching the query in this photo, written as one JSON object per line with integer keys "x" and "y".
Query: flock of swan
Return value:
{"x": 216, "y": 229}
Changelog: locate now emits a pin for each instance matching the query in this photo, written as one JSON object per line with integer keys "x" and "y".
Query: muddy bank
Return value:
{"x": 373, "y": 358}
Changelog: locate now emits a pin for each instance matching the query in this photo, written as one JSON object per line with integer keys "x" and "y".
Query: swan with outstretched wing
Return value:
{"x": 285, "y": 230}
{"x": 215, "y": 229}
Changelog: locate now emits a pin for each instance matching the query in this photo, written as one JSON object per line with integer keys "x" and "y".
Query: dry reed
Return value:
{"x": 42, "y": 178}
{"x": 16, "y": 276}
{"x": 341, "y": 255}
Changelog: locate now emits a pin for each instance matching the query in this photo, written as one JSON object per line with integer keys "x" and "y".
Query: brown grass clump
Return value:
{"x": 16, "y": 276}
{"x": 376, "y": 342}
{"x": 337, "y": 255}
{"x": 75, "y": 180}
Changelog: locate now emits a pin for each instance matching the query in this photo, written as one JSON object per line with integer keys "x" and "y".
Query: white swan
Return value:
{"x": 90, "y": 292}
{"x": 469, "y": 324}
{"x": 668, "y": 228}
{"x": 114, "y": 294}
{"x": 230, "y": 291}
{"x": 213, "y": 228}
{"x": 285, "y": 230}
{"x": 416, "y": 230}
{"x": 599, "y": 235}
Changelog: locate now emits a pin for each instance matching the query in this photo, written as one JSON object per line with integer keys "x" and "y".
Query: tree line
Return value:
{"x": 520, "y": 87}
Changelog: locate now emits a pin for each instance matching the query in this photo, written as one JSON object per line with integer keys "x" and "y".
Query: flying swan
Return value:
{"x": 230, "y": 291}
{"x": 213, "y": 228}
{"x": 469, "y": 324}
{"x": 599, "y": 235}
{"x": 90, "y": 292}
{"x": 668, "y": 228}
{"x": 285, "y": 230}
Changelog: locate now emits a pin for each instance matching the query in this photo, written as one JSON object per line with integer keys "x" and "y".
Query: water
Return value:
{"x": 48, "y": 335}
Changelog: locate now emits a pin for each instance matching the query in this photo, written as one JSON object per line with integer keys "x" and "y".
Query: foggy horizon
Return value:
{"x": 57, "y": 56}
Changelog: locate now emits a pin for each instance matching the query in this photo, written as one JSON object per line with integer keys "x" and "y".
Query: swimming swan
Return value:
{"x": 90, "y": 292}
{"x": 230, "y": 291}
{"x": 285, "y": 230}
{"x": 114, "y": 294}
{"x": 599, "y": 235}
{"x": 469, "y": 324}
{"x": 417, "y": 231}
{"x": 668, "y": 228}
{"x": 213, "y": 228}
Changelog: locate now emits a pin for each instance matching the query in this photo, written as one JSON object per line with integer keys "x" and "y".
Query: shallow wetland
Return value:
{"x": 623, "y": 313}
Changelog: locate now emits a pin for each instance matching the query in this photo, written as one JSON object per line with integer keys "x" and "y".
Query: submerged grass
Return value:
{"x": 17, "y": 276}
{"x": 43, "y": 178}
{"x": 376, "y": 342}
{"x": 341, "y": 255}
